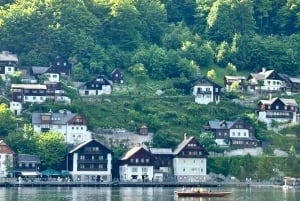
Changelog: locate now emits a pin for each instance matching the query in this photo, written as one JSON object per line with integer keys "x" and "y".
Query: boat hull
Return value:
{"x": 201, "y": 194}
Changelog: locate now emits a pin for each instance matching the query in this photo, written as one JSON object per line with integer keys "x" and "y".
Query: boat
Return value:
{"x": 201, "y": 193}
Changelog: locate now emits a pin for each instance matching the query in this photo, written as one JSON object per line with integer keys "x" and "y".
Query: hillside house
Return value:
{"x": 72, "y": 125}
{"x": 236, "y": 133}
{"x": 6, "y": 159}
{"x": 117, "y": 76}
{"x": 136, "y": 165}
{"x": 90, "y": 161}
{"x": 189, "y": 161}
{"x": 228, "y": 80}
{"x": 266, "y": 81}
{"x": 98, "y": 86}
{"x": 279, "y": 110}
{"x": 62, "y": 66}
{"x": 206, "y": 91}
{"x": 50, "y": 73}
{"x": 8, "y": 63}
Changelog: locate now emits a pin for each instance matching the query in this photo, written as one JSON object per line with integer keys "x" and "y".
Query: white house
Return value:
{"x": 90, "y": 161}
{"x": 72, "y": 125}
{"x": 136, "y": 165}
{"x": 6, "y": 159}
{"x": 189, "y": 161}
{"x": 8, "y": 63}
{"x": 98, "y": 86}
{"x": 206, "y": 91}
{"x": 279, "y": 110}
{"x": 50, "y": 73}
{"x": 266, "y": 80}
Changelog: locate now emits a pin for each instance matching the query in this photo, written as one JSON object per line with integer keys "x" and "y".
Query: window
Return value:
{"x": 277, "y": 107}
{"x": 33, "y": 97}
{"x": 136, "y": 160}
{"x": 147, "y": 160}
{"x": 144, "y": 169}
{"x": 134, "y": 169}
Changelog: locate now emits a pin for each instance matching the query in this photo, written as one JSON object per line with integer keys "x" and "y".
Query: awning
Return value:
{"x": 30, "y": 173}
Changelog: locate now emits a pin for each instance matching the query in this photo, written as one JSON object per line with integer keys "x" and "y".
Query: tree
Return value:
{"x": 52, "y": 149}
{"x": 231, "y": 69}
{"x": 7, "y": 120}
{"x": 211, "y": 74}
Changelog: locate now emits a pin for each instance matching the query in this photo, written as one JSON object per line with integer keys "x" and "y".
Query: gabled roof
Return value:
{"x": 295, "y": 79}
{"x": 56, "y": 118}
{"x": 28, "y": 158}
{"x": 131, "y": 152}
{"x": 37, "y": 70}
{"x": 286, "y": 101}
{"x": 100, "y": 79}
{"x": 183, "y": 144}
{"x": 5, "y": 148}
{"x": 86, "y": 143}
{"x": 202, "y": 80}
{"x": 215, "y": 124}
{"x": 7, "y": 56}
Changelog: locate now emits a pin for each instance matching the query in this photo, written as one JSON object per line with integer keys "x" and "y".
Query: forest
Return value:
{"x": 158, "y": 38}
{"x": 169, "y": 41}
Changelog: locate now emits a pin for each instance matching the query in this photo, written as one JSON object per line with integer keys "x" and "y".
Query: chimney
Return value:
{"x": 263, "y": 70}
{"x": 184, "y": 136}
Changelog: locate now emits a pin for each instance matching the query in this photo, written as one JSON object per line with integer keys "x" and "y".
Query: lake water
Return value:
{"x": 139, "y": 194}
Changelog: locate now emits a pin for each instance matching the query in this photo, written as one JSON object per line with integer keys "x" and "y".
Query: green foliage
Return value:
{"x": 7, "y": 120}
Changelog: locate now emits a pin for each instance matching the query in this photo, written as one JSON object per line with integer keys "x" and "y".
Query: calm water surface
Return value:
{"x": 139, "y": 194}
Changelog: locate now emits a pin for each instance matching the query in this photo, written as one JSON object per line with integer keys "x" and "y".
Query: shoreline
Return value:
{"x": 135, "y": 184}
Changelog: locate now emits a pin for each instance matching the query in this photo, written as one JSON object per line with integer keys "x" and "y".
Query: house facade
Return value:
{"x": 236, "y": 133}
{"x": 90, "y": 161}
{"x": 117, "y": 76}
{"x": 98, "y": 86}
{"x": 163, "y": 167}
{"x": 62, "y": 66}
{"x": 189, "y": 161}
{"x": 8, "y": 63}
{"x": 28, "y": 165}
{"x": 136, "y": 165}
{"x": 6, "y": 159}
{"x": 279, "y": 110}
{"x": 206, "y": 91}
{"x": 50, "y": 73}
{"x": 72, "y": 125}
{"x": 229, "y": 80}
{"x": 266, "y": 81}
{"x": 56, "y": 93}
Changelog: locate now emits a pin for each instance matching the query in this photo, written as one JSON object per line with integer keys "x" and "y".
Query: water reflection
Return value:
{"x": 138, "y": 194}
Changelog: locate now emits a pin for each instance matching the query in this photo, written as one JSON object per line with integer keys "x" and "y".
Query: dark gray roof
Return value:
{"x": 56, "y": 118}
{"x": 28, "y": 158}
{"x": 161, "y": 151}
{"x": 295, "y": 79}
{"x": 37, "y": 70}
{"x": 85, "y": 143}
{"x": 215, "y": 124}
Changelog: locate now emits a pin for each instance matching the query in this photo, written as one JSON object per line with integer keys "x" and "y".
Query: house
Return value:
{"x": 56, "y": 93}
{"x": 189, "y": 161}
{"x": 279, "y": 110}
{"x": 266, "y": 81}
{"x": 206, "y": 91}
{"x": 143, "y": 130}
{"x": 6, "y": 159}
{"x": 72, "y": 125}
{"x": 62, "y": 66}
{"x": 90, "y": 161}
{"x": 117, "y": 76}
{"x": 27, "y": 76}
{"x": 98, "y": 86}
{"x": 8, "y": 63}
{"x": 162, "y": 163}
{"x": 228, "y": 80}
{"x": 22, "y": 93}
{"x": 136, "y": 165}
{"x": 236, "y": 133}
{"x": 50, "y": 73}
{"x": 29, "y": 165}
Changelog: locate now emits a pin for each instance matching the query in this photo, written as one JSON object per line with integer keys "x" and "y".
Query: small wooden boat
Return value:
{"x": 201, "y": 193}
